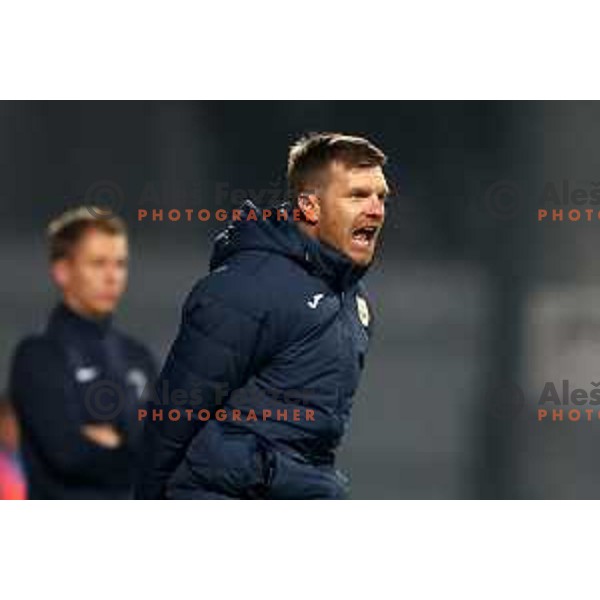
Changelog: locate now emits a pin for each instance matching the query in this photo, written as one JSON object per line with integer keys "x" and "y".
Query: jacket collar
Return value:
{"x": 64, "y": 318}
{"x": 329, "y": 263}
{"x": 284, "y": 237}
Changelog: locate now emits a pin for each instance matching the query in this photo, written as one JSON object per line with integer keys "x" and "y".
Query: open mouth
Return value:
{"x": 364, "y": 235}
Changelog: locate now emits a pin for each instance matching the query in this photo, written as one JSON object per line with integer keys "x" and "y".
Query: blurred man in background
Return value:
{"x": 12, "y": 480}
{"x": 281, "y": 318}
{"x": 77, "y": 387}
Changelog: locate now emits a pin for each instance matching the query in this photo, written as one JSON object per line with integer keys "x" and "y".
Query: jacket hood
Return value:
{"x": 283, "y": 236}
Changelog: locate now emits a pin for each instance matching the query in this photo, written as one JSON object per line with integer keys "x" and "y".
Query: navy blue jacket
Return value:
{"x": 281, "y": 322}
{"x": 56, "y": 386}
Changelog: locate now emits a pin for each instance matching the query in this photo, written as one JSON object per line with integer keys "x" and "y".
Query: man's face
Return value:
{"x": 351, "y": 210}
{"x": 93, "y": 278}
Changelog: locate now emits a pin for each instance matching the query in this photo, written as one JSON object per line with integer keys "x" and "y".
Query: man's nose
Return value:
{"x": 112, "y": 275}
{"x": 376, "y": 207}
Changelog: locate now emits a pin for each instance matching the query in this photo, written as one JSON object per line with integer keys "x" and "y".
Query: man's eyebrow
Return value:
{"x": 360, "y": 189}
{"x": 366, "y": 190}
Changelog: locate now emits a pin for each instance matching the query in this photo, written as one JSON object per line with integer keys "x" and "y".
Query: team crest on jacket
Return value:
{"x": 137, "y": 378}
{"x": 363, "y": 311}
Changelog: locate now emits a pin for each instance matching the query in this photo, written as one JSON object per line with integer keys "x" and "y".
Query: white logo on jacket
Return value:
{"x": 363, "y": 311}
{"x": 315, "y": 300}
{"x": 85, "y": 374}
{"x": 138, "y": 379}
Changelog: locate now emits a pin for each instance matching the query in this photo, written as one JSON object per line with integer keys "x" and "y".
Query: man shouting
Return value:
{"x": 282, "y": 317}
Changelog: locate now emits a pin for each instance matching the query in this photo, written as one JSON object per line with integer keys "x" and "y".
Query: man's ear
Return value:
{"x": 310, "y": 207}
{"x": 59, "y": 270}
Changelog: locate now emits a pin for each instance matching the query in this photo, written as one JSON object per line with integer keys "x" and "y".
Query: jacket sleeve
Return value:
{"x": 49, "y": 410}
{"x": 222, "y": 340}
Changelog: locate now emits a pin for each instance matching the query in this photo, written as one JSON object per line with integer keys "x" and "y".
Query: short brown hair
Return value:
{"x": 312, "y": 153}
{"x": 65, "y": 232}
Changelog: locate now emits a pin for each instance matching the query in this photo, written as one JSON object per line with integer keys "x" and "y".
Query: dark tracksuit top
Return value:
{"x": 280, "y": 322}
{"x": 57, "y": 383}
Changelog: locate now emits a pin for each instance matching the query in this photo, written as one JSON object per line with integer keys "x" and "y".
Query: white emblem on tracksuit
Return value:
{"x": 363, "y": 311}
{"x": 315, "y": 300}
{"x": 85, "y": 374}
{"x": 138, "y": 379}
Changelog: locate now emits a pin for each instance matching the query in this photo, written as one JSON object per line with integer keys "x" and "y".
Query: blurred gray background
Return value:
{"x": 472, "y": 294}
